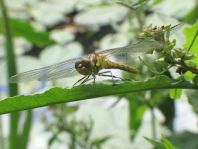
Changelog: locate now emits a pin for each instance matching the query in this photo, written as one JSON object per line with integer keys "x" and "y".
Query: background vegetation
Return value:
{"x": 155, "y": 110}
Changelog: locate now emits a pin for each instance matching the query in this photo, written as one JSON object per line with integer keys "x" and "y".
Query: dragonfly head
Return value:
{"x": 84, "y": 67}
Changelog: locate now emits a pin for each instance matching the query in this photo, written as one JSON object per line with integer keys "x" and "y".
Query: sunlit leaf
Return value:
{"x": 190, "y": 33}
{"x": 175, "y": 93}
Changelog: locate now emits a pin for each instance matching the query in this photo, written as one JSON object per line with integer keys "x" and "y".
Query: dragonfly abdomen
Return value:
{"x": 113, "y": 65}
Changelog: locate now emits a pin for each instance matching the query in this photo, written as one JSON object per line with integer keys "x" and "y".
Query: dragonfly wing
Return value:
{"x": 173, "y": 30}
{"x": 141, "y": 47}
{"x": 53, "y": 72}
{"x": 176, "y": 27}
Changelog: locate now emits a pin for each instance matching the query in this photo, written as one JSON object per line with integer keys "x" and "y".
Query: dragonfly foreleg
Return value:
{"x": 86, "y": 79}
{"x": 80, "y": 80}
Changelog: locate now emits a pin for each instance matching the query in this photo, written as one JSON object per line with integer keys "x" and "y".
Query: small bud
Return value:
{"x": 179, "y": 53}
{"x": 191, "y": 64}
{"x": 189, "y": 56}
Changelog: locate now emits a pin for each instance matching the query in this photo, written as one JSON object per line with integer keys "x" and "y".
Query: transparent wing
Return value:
{"x": 53, "y": 72}
{"x": 143, "y": 46}
{"x": 176, "y": 27}
{"x": 173, "y": 30}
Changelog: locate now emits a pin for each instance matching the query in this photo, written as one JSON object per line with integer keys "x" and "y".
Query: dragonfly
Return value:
{"x": 91, "y": 65}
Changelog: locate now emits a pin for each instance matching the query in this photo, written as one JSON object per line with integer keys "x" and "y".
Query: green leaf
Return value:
{"x": 22, "y": 28}
{"x": 99, "y": 142}
{"x": 190, "y": 33}
{"x": 81, "y": 92}
{"x": 163, "y": 144}
{"x": 157, "y": 144}
{"x": 168, "y": 144}
{"x": 175, "y": 93}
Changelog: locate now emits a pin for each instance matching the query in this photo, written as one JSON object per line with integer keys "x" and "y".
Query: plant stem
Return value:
{"x": 11, "y": 68}
{"x": 2, "y": 143}
{"x": 26, "y": 129}
{"x": 153, "y": 124}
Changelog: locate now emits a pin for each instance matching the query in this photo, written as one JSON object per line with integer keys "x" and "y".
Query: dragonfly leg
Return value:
{"x": 86, "y": 79}
{"x": 94, "y": 78}
{"x": 116, "y": 77}
{"x": 80, "y": 80}
{"x": 111, "y": 75}
{"x": 89, "y": 79}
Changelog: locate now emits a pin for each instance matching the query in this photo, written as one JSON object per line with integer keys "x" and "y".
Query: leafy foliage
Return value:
{"x": 167, "y": 56}
{"x": 78, "y": 131}
{"x": 22, "y": 28}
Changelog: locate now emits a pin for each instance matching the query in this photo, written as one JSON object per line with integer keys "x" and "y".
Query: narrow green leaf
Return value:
{"x": 163, "y": 144}
{"x": 61, "y": 95}
{"x": 168, "y": 144}
{"x": 99, "y": 142}
{"x": 175, "y": 93}
{"x": 22, "y": 28}
{"x": 157, "y": 144}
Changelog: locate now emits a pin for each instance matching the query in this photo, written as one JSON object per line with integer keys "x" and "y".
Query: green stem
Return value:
{"x": 26, "y": 130}
{"x": 2, "y": 140}
{"x": 11, "y": 67}
{"x": 153, "y": 124}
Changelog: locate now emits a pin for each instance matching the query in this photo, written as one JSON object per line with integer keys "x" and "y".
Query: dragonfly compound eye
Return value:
{"x": 83, "y": 67}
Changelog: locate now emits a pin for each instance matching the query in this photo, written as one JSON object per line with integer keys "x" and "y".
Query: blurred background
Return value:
{"x": 51, "y": 31}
